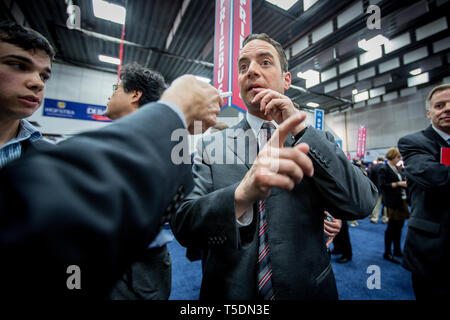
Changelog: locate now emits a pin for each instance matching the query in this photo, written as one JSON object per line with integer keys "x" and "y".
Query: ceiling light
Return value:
{"x": 283, "y": 4}
{"x": 308, "y": 4}
{"x": 415, "y": 72}
{"x": 361, "y": 96}
{"x": 373, "y": 43}
{"x": 109, "y": 11}
{"x": 312, "y": 77}
{"x": 207, "y": 80}
{"x": 419, "y": 79}
{"x": 108, "y": 59}
{"x": 354, "y": 91}
{"x": 312, "y": 104}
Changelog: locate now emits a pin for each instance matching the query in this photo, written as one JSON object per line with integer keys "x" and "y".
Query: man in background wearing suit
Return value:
{"x": 95, "y": 202}
{"x": 25, "y": 66}
{"x": 426, "y": 252}
{"x": 286, "y": 187}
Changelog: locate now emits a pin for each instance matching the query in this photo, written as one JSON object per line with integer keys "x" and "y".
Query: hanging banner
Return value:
{"x": 233, "y": 22}
{"x": 74, "y": 110}
{"x": 361, "y": 143}
{"x": 318, "y": 119}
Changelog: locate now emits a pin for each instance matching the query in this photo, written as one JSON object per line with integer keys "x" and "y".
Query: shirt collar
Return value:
{"x": 256, "y": 123}
{"x": 444, "y": 135}
{"x": 26, "y": 131}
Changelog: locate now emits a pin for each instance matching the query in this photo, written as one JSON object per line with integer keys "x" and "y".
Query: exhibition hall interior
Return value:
{"x": 360, "y": 69}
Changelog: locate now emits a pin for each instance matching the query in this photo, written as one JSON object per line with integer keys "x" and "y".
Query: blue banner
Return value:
{"x": 318, "y": 119}
{"x": 74, "y": 110}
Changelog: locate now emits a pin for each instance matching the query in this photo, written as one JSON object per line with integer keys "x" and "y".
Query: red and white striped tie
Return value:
{"x": 265, "y": 288}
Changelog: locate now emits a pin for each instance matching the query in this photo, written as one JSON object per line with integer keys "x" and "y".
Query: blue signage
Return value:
{"x": 74, "y": 110}
{"x": 318, "y": 119}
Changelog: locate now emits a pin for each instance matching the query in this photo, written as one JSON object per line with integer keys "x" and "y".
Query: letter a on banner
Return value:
{"x": 233, "y": 22}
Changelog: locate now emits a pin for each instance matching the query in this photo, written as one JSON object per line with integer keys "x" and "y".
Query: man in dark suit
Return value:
{"x": 74, "y": 217}
{"x": 25, "y": 66}
{"x": 287, "y": 186}
{"x": 426, "y": 252}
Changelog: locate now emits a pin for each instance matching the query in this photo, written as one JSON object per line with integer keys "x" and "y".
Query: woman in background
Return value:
{"x": 394, "y": 185}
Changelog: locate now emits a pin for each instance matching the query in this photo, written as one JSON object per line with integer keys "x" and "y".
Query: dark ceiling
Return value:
{"x": 148, "y": 23}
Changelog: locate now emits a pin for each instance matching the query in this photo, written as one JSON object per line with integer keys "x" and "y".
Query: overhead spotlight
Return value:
{"x": 355, "y": 91}
{"x": 312, "y": 77}
{"x": 108, "y": 59}
{"x": 283, "y": 4}
{"x": 415, "y": 72}
{"x": 373, "y": 43}
{"x": 109, "y": 11}
{"x": 312, "y": 104}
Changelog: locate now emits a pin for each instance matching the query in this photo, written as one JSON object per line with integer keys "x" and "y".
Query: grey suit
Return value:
{"x": 301, "y": 265}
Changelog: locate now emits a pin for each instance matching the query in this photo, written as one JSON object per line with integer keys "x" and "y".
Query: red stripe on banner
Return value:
{"x": 121, "y": 53}
{"x": 222, "y": 46}
{"x": 233, "y": 22}
{"x": 242, "y": 26}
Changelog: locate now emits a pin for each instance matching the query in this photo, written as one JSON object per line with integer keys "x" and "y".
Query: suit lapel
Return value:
{"x": 242, "y": 142}
{"x": 431, "y": 134}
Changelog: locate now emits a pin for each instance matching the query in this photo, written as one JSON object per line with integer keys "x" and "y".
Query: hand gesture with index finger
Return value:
{"x": 275, "y": 166}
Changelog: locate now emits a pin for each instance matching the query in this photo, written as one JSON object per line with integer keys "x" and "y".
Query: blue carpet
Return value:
{"x": 352, "y": 277}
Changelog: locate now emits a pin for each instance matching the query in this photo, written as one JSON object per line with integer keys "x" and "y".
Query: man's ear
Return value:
{"x": 287, "y": 80}
{"x": 428, "y": 114}
{"x": 136, "y": 96}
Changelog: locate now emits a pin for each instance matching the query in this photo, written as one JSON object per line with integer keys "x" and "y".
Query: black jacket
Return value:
{"x": 95, "y": 201}
{"x": 426, "y": 250}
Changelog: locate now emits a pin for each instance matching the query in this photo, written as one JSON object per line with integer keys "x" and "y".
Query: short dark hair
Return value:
{"x": 277, "y": 46}
{"x": 25, "y": 38}
{"x": 151, "y": 83}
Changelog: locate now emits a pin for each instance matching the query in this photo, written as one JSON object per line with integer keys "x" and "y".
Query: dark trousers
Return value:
{"x": 392, "y": 235}
{"x": 149, "y": 278}
{"x": 342, "y": 243}
{"x": 430, "y": 289}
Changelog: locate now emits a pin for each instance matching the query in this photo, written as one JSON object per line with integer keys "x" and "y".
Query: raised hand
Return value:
{"x": 198, "y": 100}
{"x": 275, "y": 166}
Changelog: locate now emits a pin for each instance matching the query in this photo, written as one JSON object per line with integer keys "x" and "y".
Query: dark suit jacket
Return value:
{"x": 392, "y": 197}
{"x": 95, "y": 201}
{"x": 301, "y": 265}
{"x": 426, "y": 250}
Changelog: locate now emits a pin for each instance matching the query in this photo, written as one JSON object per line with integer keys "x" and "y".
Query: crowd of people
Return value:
{"x": 263, "y": 221}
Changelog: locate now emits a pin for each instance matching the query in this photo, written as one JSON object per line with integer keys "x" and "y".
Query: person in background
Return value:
{"x": 25, "y": 66}
{"x": 426, "y": 252}
{"x": 374, "y": 175}
{"x": 393, "y": 184}
{"x": 150, "y": 276}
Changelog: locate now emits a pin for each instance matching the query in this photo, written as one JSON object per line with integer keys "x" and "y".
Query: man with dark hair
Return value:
{"x": 25, "y": 66}
{"x": 150, "y": 276}
{"x": 138, "y": 86}
{"x": 260, "y": 216}
{"x": 426, "y": 252}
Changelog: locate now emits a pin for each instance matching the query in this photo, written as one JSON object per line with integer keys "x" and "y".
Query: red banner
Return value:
{"x": 361, "y": 143}
{"x": 233, "y": 23}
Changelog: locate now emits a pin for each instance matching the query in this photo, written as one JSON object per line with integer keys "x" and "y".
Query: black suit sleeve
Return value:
{"x": 94, "y": 201}
{"x": 422, "y": 163}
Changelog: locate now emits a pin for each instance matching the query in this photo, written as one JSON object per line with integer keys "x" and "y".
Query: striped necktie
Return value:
{"x": 265, "y": 288}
